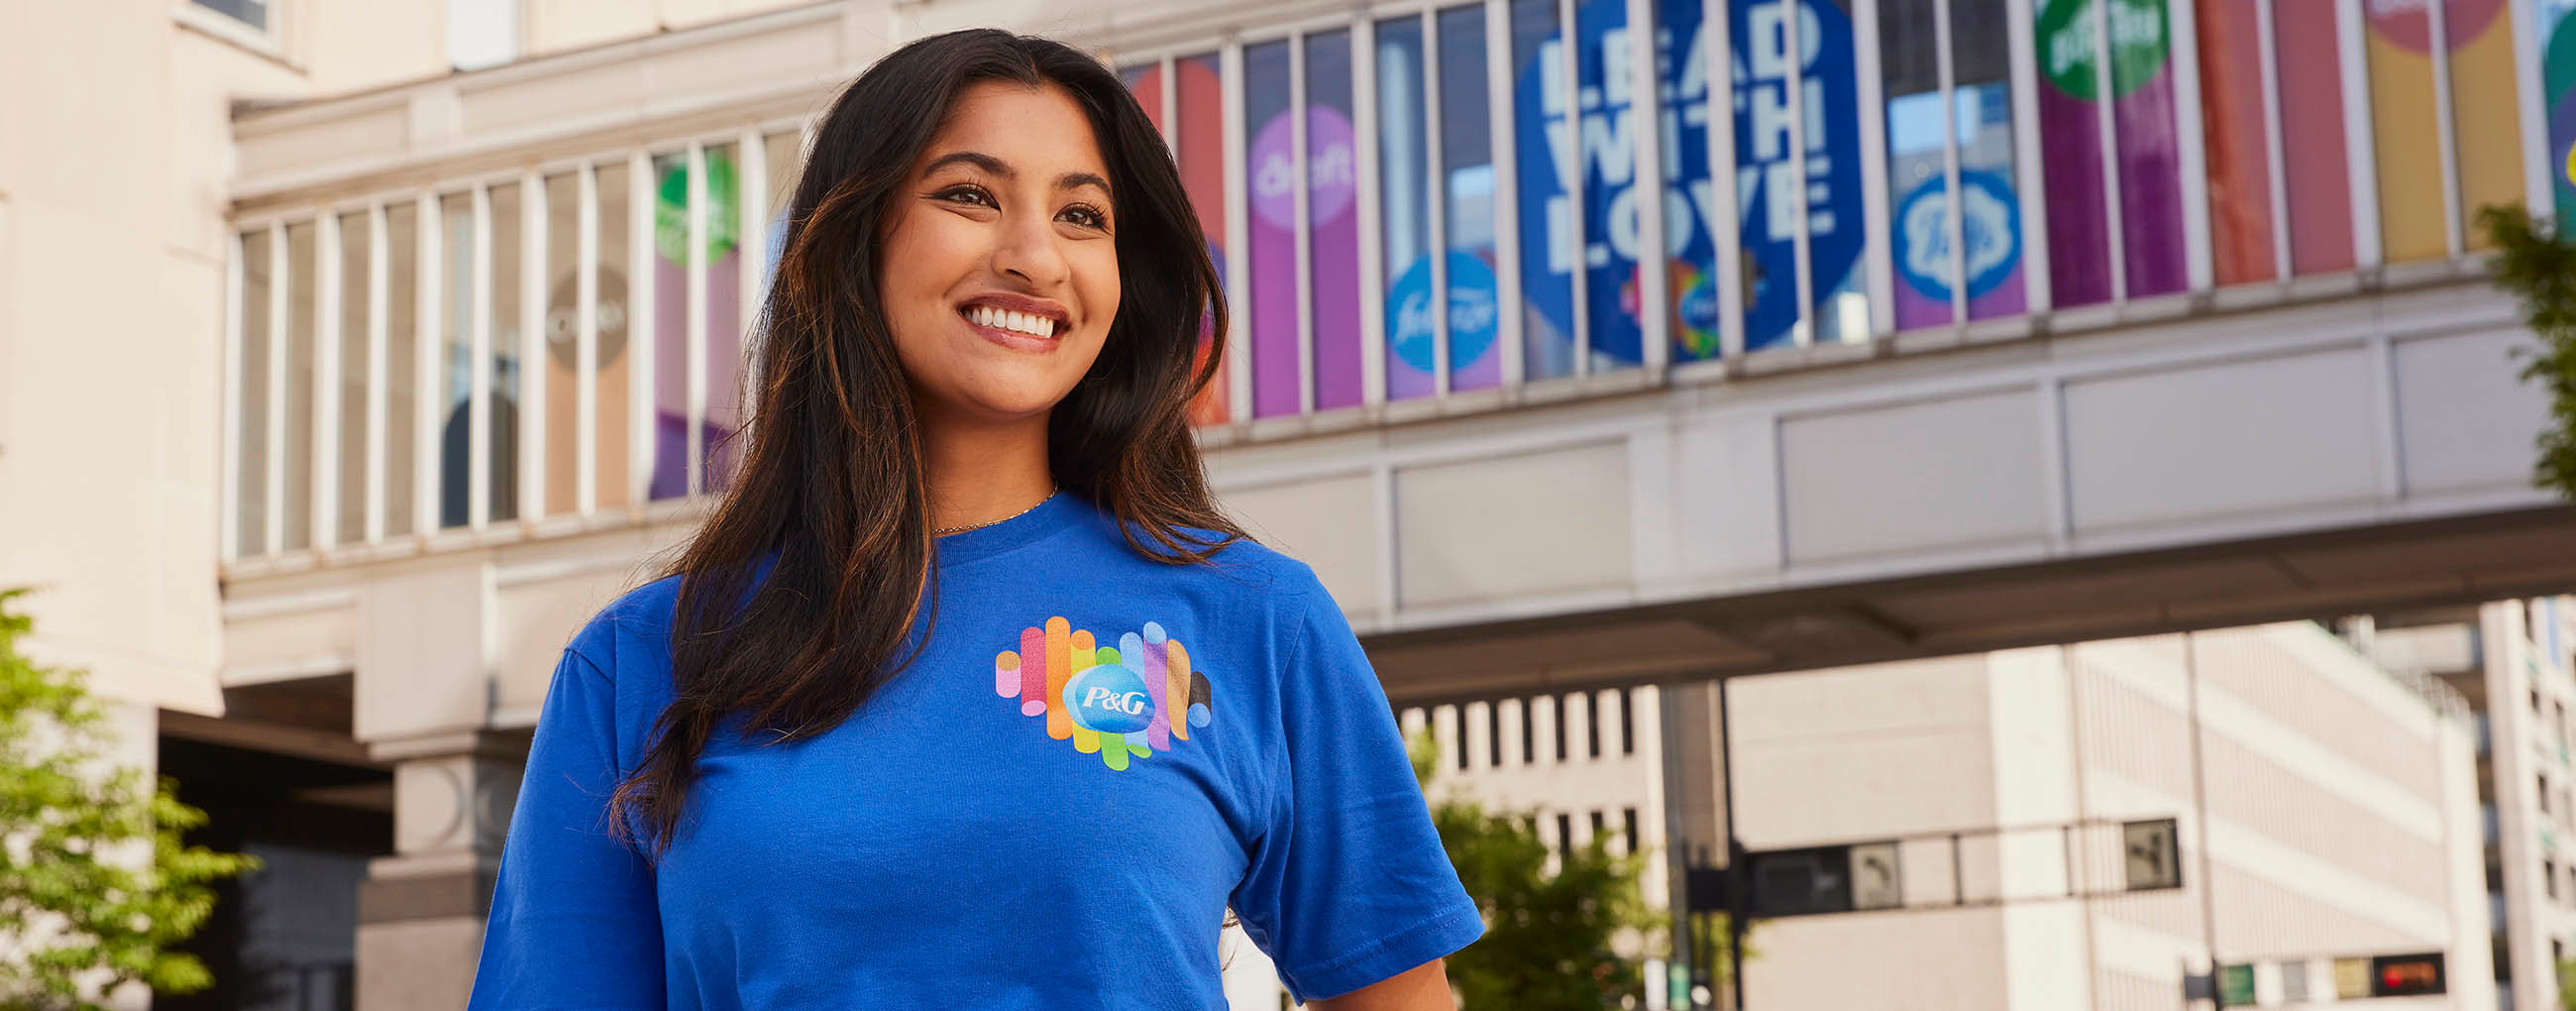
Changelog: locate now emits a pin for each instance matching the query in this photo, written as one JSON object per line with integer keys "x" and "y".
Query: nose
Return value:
{"x": 1027, "y": 250}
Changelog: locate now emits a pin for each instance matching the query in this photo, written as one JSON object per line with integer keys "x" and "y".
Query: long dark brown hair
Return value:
{"x": 832, "y": 482}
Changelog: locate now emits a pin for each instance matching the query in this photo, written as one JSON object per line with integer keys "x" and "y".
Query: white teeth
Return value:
{"x": 1027, "y": 323}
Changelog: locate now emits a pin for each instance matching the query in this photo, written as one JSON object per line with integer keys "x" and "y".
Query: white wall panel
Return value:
{"x": 424, "y": 653}
{"x": 301, "y": 638}
{"x": 2463, "y": 419}
{"x": 1952, "y": 960}
{"x": 2227, "y": 437}
{"x": 1935, "y": 474}
{"x": 1727, "y": 484}
{"x": 1864, "y": 752}
{"x": 1327, "y": 523}
{"x": 533, "y": 621}
{"x": 1473, "y": 530}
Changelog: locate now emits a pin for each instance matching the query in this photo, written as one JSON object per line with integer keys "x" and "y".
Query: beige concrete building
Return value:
{"x": 2326, "y": 810}
{"x": 338, "y": 383}
{"x": 2511, "y": 660}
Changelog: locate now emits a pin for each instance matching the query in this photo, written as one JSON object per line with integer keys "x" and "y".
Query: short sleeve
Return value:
{"x": 1348, "y": 884}
{"x": 574, "y": 924}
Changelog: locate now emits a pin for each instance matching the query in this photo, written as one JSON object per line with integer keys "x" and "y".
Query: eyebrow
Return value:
{"x": 996, "y": 166}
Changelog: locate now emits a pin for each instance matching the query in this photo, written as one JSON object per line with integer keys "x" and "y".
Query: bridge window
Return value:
{"x": 252, "y": 279}
{"x": 403, "y": 387}
{"x": 1183, "y": 96}
{"x": 1946, "y": 133}
{"x": 1270, "y": 168}
{"x": 295, "y": 393}
{"x": 2411, "y": 59}
{"x": 455, "y": 312}
{"x": 345, "y": 264}
{"x": 613, "y": 368}
{"x": 499, "y": 291}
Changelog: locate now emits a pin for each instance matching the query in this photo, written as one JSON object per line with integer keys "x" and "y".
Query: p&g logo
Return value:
{"x": 1109, "y": 698}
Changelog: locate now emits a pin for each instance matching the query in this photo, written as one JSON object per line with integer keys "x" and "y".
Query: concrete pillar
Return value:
{"x": 423, "y": 702}
{"x": 421, "y": 911}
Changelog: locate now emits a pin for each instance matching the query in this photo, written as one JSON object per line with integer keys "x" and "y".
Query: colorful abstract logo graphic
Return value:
{"x": 2067, "y": 45}
{"x": 1989, "y": 230}
{"x": 671, "y": 209}
{"x": 1474, "y": 312}
{"x": 1117, "y": 702}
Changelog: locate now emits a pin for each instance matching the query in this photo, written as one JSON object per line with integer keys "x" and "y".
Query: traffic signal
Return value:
{"x": 2406, "y": 975}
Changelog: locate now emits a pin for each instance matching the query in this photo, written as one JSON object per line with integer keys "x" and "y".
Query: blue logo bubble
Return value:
{"x": 1474, "y": 312}
{"x": 1989, "y": 228}
{"x": 1110, "y": 698}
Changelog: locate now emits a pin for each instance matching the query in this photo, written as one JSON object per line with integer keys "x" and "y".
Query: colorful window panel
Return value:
{"x": 2144, "y": 147}
{"x": 1332, "y": 220}
{"x": 1197, "y": 133}
{"x": 1468, "y": 263}
{"x": 1271, "y": 173}
{"x": 1798, "y": 171}
{"x": 2557, "y": 21}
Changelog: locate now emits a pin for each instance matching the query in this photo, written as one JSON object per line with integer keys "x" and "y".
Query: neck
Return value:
{"x": 982, "y": 473}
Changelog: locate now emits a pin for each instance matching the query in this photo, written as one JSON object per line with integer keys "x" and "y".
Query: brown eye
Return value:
{"x": 971, "y": 195}
{"x": 1086, "y": 216}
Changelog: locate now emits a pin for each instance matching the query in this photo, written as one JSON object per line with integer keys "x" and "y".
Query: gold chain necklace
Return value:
{"x": 1052, "y": 488}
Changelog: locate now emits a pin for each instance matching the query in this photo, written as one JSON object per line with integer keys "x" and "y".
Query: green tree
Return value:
{"x": 1551, "y": 940}
{"x": 2536, "y": 262}
{"x": 81, "y": 911}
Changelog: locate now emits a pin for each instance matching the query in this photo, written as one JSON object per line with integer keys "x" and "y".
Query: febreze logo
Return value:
{"x": 1118, "y": 702}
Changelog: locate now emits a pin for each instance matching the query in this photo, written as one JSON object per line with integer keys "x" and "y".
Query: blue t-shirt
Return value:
{"x": 1095, "y": 754}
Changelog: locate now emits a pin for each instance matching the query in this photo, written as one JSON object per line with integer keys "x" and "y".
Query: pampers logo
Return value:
{"x": 1119, "y": 702}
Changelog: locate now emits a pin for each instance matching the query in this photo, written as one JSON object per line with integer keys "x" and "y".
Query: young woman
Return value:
{"x": 967, "y": 696}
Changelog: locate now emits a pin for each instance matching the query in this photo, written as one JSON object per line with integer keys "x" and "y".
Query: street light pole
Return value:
{"x": 1738, "y": 884}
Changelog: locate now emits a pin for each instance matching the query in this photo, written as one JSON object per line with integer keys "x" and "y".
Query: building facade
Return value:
{"x": 2511, "y": 660}
{"x": 2325, "y": 811}
{"x": 1964, "y": 325}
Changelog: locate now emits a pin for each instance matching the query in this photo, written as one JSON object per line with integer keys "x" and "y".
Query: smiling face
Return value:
{"x": 1000, "y": 275}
